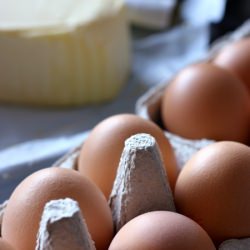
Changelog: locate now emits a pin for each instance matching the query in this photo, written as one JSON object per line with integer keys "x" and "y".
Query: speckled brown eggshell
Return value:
{"x": 161, "y": 230}
{"x": 101, "y": 152}
{"x": 206, "y": 101}
{"x": 23, "y": 212}
{"x": 213, "y": 189}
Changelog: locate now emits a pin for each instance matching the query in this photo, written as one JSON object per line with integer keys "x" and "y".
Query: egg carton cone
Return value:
{"x": 141, "y": 184}
{"x": 62, "y": 227}
{"x": 148, "y": 105}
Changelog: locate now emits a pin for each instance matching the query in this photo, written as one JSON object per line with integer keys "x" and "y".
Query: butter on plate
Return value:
{"x": 63, "y": 52}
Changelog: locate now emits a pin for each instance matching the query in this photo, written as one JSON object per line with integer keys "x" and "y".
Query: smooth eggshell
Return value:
{"x": 101, "y": 152}
{"x": 206, "y": 101}
{"x": 161, "y": 230}
{"x": 213, "y": 189}
{"x": 235, "y": 58}
{"x": 4, "y": 245}
{"x": 23, "y": 212}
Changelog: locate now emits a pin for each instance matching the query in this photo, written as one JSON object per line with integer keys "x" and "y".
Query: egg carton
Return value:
{"x": 140, "y": 155}
{"x": 147, "y": 107}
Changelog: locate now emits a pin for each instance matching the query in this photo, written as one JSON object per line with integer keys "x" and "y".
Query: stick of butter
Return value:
{"x": 63, "y": 52}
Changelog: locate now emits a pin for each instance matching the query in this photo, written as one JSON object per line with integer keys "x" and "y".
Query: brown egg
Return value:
{"x": 4, "y": 245}
{"x": 235, "y": 57}
{"x": 101, "y": 152}
{"x": 161, "y": 230}
{"x": 213, "y": 189}
{"x": 206, "y": 101}
{"x": 23, "y": 213}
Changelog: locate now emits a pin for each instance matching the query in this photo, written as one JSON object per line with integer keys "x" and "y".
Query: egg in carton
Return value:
{"x": 149, "y": 105}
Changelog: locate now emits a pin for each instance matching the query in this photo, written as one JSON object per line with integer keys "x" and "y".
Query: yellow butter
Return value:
{"x": 63, "y": 52}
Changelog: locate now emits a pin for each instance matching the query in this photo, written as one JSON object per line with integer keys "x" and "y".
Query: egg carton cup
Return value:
{"x": 148, "y": 105}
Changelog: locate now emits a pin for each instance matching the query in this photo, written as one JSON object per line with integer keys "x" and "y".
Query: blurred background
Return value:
{"x": 165, "y": 36}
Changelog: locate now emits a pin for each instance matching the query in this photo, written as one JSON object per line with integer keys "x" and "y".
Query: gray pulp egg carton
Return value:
{"x": 148, "y": 105}
{"x": 70, "y": 161}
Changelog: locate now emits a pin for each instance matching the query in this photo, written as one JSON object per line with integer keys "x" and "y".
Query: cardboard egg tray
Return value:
{"x": 148, "y": 106}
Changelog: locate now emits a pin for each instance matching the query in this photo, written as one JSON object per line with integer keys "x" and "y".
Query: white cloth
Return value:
{"x": 198, "y": 12}
{"x": 159, "y": 56}
{"x": 156, "y": 14}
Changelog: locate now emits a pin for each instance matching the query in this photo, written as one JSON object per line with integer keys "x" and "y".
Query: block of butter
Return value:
{"x": 63, "y": 52}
